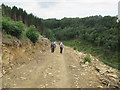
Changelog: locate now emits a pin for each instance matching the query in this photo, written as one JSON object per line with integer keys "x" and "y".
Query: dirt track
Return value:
{"x": 52, "y": 70}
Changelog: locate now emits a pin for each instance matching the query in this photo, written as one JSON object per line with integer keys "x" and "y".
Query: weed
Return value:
{"x": 87, "y": 59}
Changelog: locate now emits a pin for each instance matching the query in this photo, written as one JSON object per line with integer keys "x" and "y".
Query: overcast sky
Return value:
{"x": 66, "y": 8}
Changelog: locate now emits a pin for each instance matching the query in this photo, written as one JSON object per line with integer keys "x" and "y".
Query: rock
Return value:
{"x": 54, "y": 81}
{"x": 23, "y": 78}
{"x": 77, "y": 86}
{"x": 50, "y": 67}
{"x": 14, "y": 84}
{"x": 75, "y": 75}
{"x": 46, "y": 84}
{"x": 112, "y": 75}
{"x": 99, "y": 86}
{"x": 30, "y": 70}
{"x": 9, "y": 78}
{"x": 4, "y": 71}
{"x": 105, "y": 82}
{"x": 10, "y": 68}
{"x": 86, "y": 63}
{"x": 72, "y": 67}
{"x": 97, "y": 69}
{"x": 114, "y": 79}
{"x": 58, "y": 71}
{"x": 102, "y": 71}
{"x": 5, "y": 51}
{"x": 11, "y": 64}
{"x": 29, "y": 59}
{"x": 110, "y": 71}
{"x": 82, "y": 74}
{"x": 49, "y": 73}
{"x": 41, "y": 86}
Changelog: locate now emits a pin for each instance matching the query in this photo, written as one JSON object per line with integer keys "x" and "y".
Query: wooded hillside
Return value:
{"x": 101, "y": 31}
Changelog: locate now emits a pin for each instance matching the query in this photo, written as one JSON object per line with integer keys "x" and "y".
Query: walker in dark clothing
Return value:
{"x": 61, "y": 49}
{"x": 53, "y": 47}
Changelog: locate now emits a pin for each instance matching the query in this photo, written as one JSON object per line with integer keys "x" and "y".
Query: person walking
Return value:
{"x": 61, "y": 47}
{"x": 55, "y": 42}
{"x": 53, "y": 47}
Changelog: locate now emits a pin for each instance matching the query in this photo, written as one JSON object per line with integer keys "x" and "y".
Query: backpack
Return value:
{"x": 61, "y": 45}
{"x": 53, "y": 45}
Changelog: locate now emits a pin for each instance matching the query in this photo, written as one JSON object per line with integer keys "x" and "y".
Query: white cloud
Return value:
{"x": 65, "y": 8}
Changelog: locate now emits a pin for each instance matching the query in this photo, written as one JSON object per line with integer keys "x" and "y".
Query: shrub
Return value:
{"x": 87, "y": 59}
{"x": 6, "y": 25}
{"x": 75, "y": 48}
{"x": 12, "y": 28}
{"x": 17, "y": 29}
{"x": 32, "y": 34}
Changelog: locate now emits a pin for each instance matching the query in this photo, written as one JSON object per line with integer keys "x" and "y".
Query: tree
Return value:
{"x": 14, "y": 13}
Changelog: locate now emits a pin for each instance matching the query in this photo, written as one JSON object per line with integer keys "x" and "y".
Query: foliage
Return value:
{"x": 17, "y": 29}
{"x": 98, "y": 30}
{"x": 13, "y": 28}
{"x": 32, "y": 34}
{"x": 87, "y": 59}
{"x": 5, "y": 25}
{"x": 18, "y": 14}
{"x": 49, "y": 34}
{"x": 74, "y": 48}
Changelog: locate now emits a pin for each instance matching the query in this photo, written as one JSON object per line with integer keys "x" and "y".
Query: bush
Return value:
{"x": 87, "y": 59}
{"x": 75, "y": 48}
{"x": 32, "y": 34}
{"x": 12, "y": 28}
{"x": 16, "y": 29}
{"x": 6, "y": 25}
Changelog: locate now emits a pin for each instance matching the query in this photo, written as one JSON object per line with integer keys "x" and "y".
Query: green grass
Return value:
{"x": 87, "y": 59}
{"x": 108, "y": 57}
